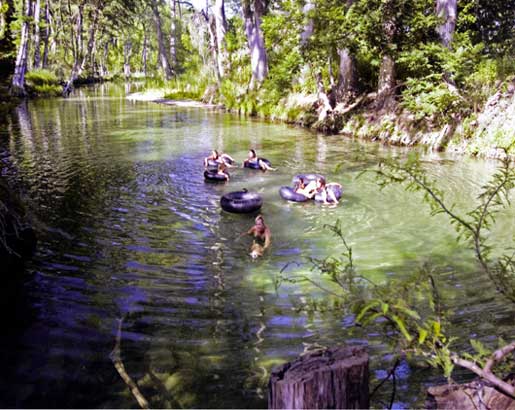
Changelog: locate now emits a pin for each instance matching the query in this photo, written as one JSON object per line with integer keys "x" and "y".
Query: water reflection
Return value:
{"x": 131, "y": 230}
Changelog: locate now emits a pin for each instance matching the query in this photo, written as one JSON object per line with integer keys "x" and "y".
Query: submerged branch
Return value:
{"x": 118, "y": 364}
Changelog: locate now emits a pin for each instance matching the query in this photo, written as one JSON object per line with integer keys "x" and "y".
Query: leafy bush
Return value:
{"x": 190, "y": 85}
{"x": 427, "y": 100}
{"x": 43, "y": 83}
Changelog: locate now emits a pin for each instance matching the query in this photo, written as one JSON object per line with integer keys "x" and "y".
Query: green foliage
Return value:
{"x": 429, "y": 100}
{"x": 188, "y": 86}
{"x": 43, "y": 82}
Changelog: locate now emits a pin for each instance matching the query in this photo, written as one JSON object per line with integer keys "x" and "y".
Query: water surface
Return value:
{"x": 131, "y": 230}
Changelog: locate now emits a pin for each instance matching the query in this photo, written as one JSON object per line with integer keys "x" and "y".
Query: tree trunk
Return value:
{"x": 336, "y": 378}
{"x": 347, "y": 85}
{"x": 211, "y": 28}
{"x": 81, "y": 58}
{"x": 323, "y": 99}
{"x": 309, "y": 26}
{"x": 256, "y": 42}
{"x": 127, "y": 48}
{"x": 37, "y": 38}
{"x": 77, "y": 64}
{"x": 7, "y": 45}
{"x": 447, "y": 11}
{"x": 92, "y": 40}
{"x": 47, "y": 34}
{"x": 221, "y": 30}
{"x": 163, "y": 58}
{"x": 103, "y": 63}
{"x": 144, "y": 53}
{"x": 173, "y": 34}
{"x": 18, "y": 80}
{"x": 386, "y": 82}
{"x": 6, "y": 18}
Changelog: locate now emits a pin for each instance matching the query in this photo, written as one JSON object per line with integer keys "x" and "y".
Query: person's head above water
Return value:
{"x": 252, "y": 154}
{"x": 215, "y": 154}
{"x": 260, "y": 220}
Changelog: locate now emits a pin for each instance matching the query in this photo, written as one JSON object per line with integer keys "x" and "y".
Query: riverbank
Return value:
{"x": 485, "y": 133}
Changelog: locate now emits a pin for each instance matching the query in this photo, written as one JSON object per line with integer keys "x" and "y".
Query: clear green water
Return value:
{"x": 130, "y": 229}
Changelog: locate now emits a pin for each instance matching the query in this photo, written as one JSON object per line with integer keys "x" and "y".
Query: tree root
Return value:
{"x": 118, "y": 364}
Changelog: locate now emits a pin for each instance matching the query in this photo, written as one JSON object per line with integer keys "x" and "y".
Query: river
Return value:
{"x": 130, "y": 229}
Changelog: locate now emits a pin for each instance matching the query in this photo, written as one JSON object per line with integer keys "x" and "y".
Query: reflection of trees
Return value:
{"x": 321, "y": 149}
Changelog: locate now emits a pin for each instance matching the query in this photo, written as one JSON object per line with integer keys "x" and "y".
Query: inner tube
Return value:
{"x": 214, "y": 176}
{"x": 306, "y": 178}
{"x": 212, "y": 164}
{"x": 241, "y": 202}
{"x": 255, "y": 164}
{"x": 335, "y": 188}
{"x": 289, "y": 194}
{"x": 227, "y": 160}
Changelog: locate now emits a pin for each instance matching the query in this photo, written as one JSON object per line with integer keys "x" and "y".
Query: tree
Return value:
{"x": 347, "y": 86}
{"x": 20, "y": 69}
{"x": 37, "y": 38}
{"x": 127, "y": 51}
{"x": 163, "y": 57}
{"x": 81, "y": 57}
{"x": 46, "y": 37}
{"x": 253, "y": 11}
{"x": 446, "y": 10}
{"x": 7, "y": 46}
{"x": 221, "y": 29}
{"x": 173, "y": 33}
{"x": 386, "y": 82}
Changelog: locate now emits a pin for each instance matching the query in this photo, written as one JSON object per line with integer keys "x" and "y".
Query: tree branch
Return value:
{"x": 498, "y": 356}
{"x": 118, "y": 364}
{"x": 486, "y": 372}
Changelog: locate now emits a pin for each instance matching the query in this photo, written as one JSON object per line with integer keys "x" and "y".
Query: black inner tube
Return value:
{"x": 213, "y": 175}
{"x": 241, "y": 202}
{"x": 306, "y": 178}
{"x": 289, "y": 194}
{"x": 212, "y": 164}
{"x": 254, "y": 164}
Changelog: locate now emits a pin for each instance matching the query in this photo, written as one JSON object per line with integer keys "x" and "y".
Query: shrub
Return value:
{"x": 43, "y": 83}
{"x": 429, "y": 100}
{"x": 190, "y": 85}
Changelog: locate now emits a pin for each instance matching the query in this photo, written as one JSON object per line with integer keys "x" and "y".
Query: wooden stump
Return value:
{"x": 335, "y": 378}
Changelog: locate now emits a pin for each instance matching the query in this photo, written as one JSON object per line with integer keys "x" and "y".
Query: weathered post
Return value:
{"x": 335, "y": 378}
